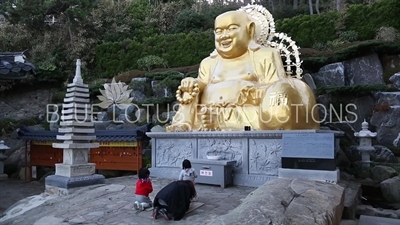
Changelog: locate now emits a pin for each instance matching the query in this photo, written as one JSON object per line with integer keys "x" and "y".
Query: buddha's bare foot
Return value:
{"x": 181, "y": 127}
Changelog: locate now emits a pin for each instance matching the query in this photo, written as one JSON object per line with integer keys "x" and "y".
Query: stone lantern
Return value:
{"x": 3, "y": 157}
{"x": 365, "y": 146}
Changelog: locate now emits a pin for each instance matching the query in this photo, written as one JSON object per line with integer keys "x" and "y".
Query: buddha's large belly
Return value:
{"x": 223, "y": 92}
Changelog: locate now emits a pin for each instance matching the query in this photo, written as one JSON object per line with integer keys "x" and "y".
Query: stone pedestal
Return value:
{"x": 3, "y": 157}
{"x": 257, "y": 153}
{"x": 310, "y": 156}
{"x": 78, "y": 134}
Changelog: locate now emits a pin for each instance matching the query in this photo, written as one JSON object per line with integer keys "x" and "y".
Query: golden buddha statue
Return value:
{"x": 244, "y": 82}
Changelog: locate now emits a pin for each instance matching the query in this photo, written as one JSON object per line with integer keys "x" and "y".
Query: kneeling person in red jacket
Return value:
{"x": 143, "y": 189}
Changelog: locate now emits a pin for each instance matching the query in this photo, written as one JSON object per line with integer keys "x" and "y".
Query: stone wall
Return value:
{"x": 25, "y": 104}
{"x": 257, "y": 153}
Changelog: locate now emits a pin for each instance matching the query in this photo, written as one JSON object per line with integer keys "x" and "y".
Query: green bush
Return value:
{"x": 390, "y": 34}
{"x": 193, "y": 74}
{"x": 168, "y": 79}
{"x": 307, "y": 30}
{"x": 58, "y": 97}
{"x": 358, "y": 22}
{"x": 177, "y": 49}
{"x": 151, "y": 62}
{"x": 356, "y": 50}
{"x": 348, "y": 36}
{"x": 163, "y": 75}
{"x": 366, "y": 19}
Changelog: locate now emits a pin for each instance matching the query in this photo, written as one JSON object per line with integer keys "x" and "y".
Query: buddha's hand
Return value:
{"x": 251, "y": 95}
{"x": 258, "y": 95}
{"x": 187, "y": 84}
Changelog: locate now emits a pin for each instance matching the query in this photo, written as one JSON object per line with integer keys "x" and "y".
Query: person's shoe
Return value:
{"x": 163, "y": 212}
{"x": 195, "y": 199}
{"x": 136, "y": 205}
{"x": 155, "y": 212}
{"x": 143, "y": 206}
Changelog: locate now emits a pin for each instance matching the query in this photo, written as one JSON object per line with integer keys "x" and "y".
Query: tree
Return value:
{"x": 338, "y": 5}
{"x": 317, "y": 6}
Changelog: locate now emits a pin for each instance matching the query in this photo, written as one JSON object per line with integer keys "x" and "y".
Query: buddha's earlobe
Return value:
{"x": 253, "y": 46}
{"x": 214, "y": 53}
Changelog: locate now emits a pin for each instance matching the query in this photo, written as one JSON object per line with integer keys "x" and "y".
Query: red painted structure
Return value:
{"x": 119, "y": 149}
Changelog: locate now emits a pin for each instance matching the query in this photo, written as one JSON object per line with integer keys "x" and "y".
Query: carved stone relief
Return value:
{"x": 171, "y": 152}
{"x": 75, "y": 156}
{"x": 229, "y": 149}
{"x": 80, "y": 156}
{"x": 264, "y": 156}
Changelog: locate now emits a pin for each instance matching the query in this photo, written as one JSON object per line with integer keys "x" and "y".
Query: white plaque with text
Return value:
{"x": 308, "y": 145}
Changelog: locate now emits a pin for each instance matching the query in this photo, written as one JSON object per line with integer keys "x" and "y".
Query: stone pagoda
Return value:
{"x": 365, "y": 147}
{"x": 77, "y": 138}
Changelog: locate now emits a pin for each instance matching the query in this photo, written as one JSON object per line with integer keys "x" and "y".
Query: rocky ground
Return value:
{"x": 13, "y": 190}
{"x": 112, "y": 204}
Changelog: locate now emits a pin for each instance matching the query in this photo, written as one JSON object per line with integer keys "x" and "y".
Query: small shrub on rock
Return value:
{"x": 387, "y": 34}
{"x": 348, "y": 36}
{"x": 150, "y": 62}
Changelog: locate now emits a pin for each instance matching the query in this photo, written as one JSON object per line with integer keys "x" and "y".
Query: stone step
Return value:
{"x": 391, "y": 98}
{"x": 372, "y": 220}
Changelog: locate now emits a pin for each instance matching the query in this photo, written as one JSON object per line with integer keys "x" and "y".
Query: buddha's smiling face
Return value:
{"x": 231, "y": 34}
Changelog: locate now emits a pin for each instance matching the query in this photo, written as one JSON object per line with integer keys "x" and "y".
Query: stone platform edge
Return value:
{"x": 239, "y": 179}
{"x": 242, "y": 134}
{"x": 61, "y": 185}
{"x": 317, "y": 175}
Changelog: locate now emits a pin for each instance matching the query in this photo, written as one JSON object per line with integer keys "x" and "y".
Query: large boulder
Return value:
{"x": 289, "y": 202}
{"x": 358, "y": 110}
{"x": 380, "y": 154}
{"x": 381, "y": 173}
{"x": 330, "y": 75}
{"x": 387, "y": 124}
{"x": 387, "y": 98}
{"x": 390, "y": 189}
{"x": 395, "y": 80}
{"x": 364, "y": 70}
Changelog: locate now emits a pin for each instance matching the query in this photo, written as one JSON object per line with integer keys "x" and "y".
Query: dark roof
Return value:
{"x": 11, "y": 69}
{"x": 139, "y": 133}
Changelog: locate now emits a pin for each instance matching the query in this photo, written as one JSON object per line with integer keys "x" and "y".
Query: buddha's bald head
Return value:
{"x": 238, "y": 16}
{"x": 233, "y": 33}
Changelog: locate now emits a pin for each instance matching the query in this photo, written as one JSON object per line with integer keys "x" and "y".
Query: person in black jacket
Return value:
{"x": 173, "y": 201}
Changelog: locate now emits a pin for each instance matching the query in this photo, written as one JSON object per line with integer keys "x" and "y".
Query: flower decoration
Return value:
{"x": 115, "y": 94}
